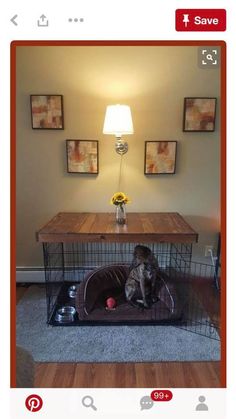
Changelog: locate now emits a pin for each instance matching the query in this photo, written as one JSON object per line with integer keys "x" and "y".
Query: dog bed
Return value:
{"x": 109, "y": 281}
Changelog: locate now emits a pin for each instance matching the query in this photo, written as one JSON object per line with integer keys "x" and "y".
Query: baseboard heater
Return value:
{"x": 30, "y": 275}
{"x": 37, "y": 274}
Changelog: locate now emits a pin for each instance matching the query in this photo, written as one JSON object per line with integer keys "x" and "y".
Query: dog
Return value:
{"x": 142, "y": 279}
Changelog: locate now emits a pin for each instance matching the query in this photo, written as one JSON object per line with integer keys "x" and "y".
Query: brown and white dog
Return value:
{"x": 140, "y": 286}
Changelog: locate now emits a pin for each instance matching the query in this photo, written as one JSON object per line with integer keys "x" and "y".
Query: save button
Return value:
{"x": 200, "y": 20}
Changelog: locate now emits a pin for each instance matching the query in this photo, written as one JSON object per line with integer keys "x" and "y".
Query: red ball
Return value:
{"x": 110, "y": 302}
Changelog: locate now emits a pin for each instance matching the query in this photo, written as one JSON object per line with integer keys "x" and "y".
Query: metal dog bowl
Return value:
{"x": 72, "y": 290}
{"x": 65, "y": 314}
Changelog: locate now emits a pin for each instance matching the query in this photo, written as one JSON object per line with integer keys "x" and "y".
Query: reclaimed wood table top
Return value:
{"x": 166, "y": 227}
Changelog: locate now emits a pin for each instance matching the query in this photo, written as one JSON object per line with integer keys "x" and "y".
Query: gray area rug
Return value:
{"x": 105, "y": 343}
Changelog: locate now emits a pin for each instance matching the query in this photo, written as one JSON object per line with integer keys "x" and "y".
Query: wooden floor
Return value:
{"x": 108, "y": 375}
{"x": 164, "y": 374}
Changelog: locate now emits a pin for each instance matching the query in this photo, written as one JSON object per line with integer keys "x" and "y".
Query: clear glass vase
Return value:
{"x": 120, "y": 214}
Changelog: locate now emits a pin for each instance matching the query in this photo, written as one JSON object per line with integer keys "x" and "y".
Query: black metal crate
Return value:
{"x": 68, "y": 263}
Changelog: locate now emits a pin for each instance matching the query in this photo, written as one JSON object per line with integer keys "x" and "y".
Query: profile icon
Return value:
{"x": 202, "y": 405}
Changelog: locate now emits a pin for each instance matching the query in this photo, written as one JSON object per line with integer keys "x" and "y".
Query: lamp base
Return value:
{"x": 121, "y": 146}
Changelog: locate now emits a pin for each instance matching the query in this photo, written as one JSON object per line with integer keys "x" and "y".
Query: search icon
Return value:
{"x": 87, "y": 401}
{"x": 209, "y": 57}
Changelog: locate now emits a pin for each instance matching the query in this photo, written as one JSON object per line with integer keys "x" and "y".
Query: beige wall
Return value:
{"x": 154, "y": 82}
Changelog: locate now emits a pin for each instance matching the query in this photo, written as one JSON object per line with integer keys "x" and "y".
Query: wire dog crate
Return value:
{"x": 76, "y": 244}
{"x": 67, "y": 264}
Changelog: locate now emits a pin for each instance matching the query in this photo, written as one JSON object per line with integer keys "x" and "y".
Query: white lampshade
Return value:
{"x": 118, "y": 120}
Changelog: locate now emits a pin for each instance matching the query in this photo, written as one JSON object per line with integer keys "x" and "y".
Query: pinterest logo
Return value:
{"x": 33, "y": 403}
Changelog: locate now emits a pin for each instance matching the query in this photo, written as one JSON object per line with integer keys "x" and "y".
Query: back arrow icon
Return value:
{"x": 13, "y": 20}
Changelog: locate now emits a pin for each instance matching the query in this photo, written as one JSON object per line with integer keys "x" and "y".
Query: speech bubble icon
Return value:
{"x": 146, "y": 402}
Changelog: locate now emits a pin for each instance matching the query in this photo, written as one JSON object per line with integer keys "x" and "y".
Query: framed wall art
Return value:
{"x": 199, "y": 114}
{"x": 160, "y": 157}
{"x": 82, "y": 156}
{"x": 47, "y": 111}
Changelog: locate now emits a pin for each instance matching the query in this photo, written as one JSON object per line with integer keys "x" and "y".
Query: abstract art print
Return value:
{"x": 160, "y": 157}
{"x": 82, "y": 156}
{"x": 199, "y": 114}
{"x": 47, "y": 111}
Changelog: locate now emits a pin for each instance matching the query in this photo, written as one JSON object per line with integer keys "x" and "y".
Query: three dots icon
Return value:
{"x": 76, "y": 20}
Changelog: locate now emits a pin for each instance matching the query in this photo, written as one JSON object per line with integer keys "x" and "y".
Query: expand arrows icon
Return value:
{"x": 13, "y": 20}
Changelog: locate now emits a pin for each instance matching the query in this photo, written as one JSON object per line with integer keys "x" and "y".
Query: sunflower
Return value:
{"x": 119, "y": 198}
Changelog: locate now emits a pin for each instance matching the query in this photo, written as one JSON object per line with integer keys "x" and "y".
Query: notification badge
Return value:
{"x": 197, "y": 20}
{"x": 34, "y": 403}
{"x": 161, "y": 395}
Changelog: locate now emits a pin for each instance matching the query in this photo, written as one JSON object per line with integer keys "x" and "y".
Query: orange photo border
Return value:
{"x": 13, "y": 49}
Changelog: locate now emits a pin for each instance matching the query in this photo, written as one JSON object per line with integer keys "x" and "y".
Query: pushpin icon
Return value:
{"x": 186, "y": 20}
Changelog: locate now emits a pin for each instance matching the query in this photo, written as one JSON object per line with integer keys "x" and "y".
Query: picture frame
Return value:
{"x": 47, "y": 112}
{"x": 160, "y": 157}
{"x": 199, "y": 114}
{"x": 82, "y": 156}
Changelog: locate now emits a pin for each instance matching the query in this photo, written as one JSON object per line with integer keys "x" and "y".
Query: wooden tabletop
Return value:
{"x": 167, "y": 227}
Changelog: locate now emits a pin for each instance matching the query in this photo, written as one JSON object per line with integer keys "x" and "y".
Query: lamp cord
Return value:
{"x": 119, "y": 182}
